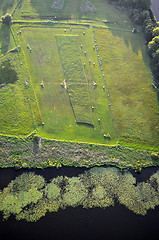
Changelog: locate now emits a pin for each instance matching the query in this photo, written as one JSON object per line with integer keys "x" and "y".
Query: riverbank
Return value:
{"x": 35, "y": 152}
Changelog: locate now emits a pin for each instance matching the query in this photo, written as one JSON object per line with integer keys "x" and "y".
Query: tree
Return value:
{"x": 149, "y": 26}
{"x": 156, "y": 31}
{"x": 143, "y": 4}
{"x": 7, "y": 18}
{"x": 153, "y": 45}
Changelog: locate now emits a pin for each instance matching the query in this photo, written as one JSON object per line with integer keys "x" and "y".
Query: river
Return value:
{"x": 78, "y": 223}
{"x": 155, "y": 8}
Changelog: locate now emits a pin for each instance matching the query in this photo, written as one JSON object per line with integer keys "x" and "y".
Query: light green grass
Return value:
{"x": 19, "y": 116}
{"x": 132, "y": 118}
{"x": 71, "y": 10}
{"x": 7, "y": 6}
{"x": 15, "y": 117}
{"x": 76, "y": 82}
{"x": 134, "y": 103}
{"x": 45, "y": 66}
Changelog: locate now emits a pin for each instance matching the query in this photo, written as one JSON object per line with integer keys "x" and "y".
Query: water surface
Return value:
{"x": 78, "y": 223}
{"x": 155, "y": 8}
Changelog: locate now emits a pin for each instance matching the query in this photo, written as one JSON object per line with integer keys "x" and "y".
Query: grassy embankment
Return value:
{"x": 133, "y": 114}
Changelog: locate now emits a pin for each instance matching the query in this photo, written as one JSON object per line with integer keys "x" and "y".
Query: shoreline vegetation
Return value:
{"x": 125, "y": 146}
{"x": 36, "y": 152}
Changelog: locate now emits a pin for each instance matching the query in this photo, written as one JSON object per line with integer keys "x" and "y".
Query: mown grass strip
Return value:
{"x": 77, "y": 86}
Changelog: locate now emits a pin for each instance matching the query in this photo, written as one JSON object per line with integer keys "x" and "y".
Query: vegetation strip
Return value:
{"x": 35, "y": 152}
{"x": 77, "y": 85}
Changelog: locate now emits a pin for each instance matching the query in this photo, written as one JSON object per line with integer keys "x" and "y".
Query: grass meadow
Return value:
{"x": 16, "y": 117}
{"x": 107, "y": 79}
{"x": 134, "y": 102}
{"x": 24, "y": 9}
{"x": 46, "y": 67}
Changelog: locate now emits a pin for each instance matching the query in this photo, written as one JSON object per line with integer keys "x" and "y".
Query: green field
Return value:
{"x": 135, "y": 106}
{"x": 75, "y": 82}
{"x": 57, "y": 79}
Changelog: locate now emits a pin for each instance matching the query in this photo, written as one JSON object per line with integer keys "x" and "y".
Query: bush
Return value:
{"x": 155, "y": 155}
{"x": 156, "y": 32}
{"x": 7, "y": 18}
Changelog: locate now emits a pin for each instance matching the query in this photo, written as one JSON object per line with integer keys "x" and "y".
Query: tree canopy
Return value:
{"x": 7, "y": 18}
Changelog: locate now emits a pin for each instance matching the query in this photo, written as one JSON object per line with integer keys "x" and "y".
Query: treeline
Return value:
{"x": 142, "y": 4}
{"x": 141, "y": 14}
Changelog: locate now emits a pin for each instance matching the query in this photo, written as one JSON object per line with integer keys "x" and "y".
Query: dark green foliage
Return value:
{"x": 149, "y": 26}
{"x": 156, "y": 31}
{"x": 142, "y": 4}
{"x": 155, "y": 155}
{"x": 153, "y": 46}
{"x": 138, "y": 16}
{"x": 7, "y": 18}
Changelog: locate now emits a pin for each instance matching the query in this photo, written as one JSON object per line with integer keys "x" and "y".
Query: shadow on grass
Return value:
{"x": 7, "y": 74}
{"x": 5, "y": 5}
{"x": 85, "y": 124}
{"x": 128, "y": 38}
{"x": 4, "y": 38}
{"x": 44, "y": 9}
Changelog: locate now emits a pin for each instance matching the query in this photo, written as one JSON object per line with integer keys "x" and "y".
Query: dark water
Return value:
{"x": 155, "y": 8}
{"x": 82, "y": 224}
{"x": 78, "y": 223}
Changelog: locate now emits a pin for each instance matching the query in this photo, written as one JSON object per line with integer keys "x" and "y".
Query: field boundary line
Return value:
{"x": 62, "y": 140}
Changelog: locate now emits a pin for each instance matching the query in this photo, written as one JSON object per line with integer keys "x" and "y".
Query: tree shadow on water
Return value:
{"x": 4, "y": 38}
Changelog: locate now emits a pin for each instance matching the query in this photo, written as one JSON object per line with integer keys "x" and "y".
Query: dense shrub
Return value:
{"x": 7, "y": 18}
{"x": 156, "y": 31}
{"x": 141, "y": 4}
